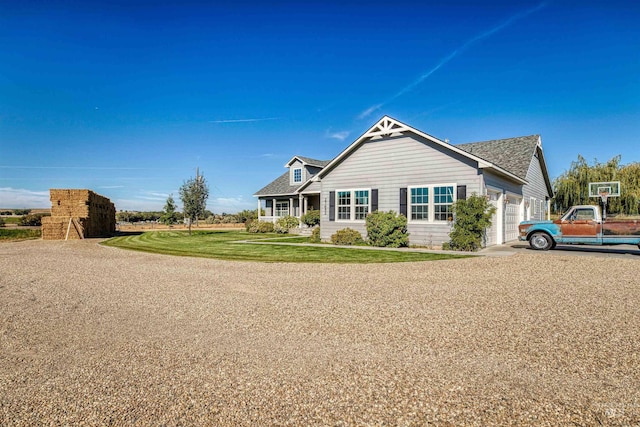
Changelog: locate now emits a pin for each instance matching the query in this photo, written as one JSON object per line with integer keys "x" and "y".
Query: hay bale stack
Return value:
{"x": 80, "y": 214}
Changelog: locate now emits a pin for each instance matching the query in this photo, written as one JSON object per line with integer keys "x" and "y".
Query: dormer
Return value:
{"x": 301, "y": 169}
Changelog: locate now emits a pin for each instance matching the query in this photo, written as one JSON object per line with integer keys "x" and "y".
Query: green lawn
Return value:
{"x": 19, "y": 234}
{"x": 220, "y": 245}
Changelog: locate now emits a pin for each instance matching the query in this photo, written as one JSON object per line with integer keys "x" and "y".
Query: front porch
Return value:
{"x": 291, "y": 205}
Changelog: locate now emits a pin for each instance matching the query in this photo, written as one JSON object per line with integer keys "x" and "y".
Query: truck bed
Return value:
{"x": 621, "y": 227}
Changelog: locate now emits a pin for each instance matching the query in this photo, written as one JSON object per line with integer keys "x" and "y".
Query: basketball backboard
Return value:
{"x": 606, "y": 189}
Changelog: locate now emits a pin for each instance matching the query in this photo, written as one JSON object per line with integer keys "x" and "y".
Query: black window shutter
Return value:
{"x": 462, "y": 192}
{"x": 374, "y": 200}
{"x": 403, "y": 201}
{"x": 332, "y": 206}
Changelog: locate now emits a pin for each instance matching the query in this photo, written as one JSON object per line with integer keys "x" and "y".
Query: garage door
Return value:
{"x": 512, "y": 218}
{"x": 491, "y": 236}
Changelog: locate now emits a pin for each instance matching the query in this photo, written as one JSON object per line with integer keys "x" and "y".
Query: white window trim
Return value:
{"x": 432, "y": 204}
{"x": 533, "y": 205}
{"x": 293, "y": 176}
{"x": 276, "y": 211}
{"x": 352, "y": 206}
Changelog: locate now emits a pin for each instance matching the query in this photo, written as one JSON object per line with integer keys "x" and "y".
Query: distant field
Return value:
{"x": 12, "y": 219}
{"x": 19, "y": 234}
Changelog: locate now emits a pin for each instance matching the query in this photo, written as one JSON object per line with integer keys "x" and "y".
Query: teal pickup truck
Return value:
{"x": 580, "y": 225}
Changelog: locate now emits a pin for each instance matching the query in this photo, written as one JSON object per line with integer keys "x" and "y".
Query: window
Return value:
{"x": 584, "y": 214}
{"x": 431, "y": 203}
{"x": 344, "y": 205}
{"x": 362, "y": 203}
{"x": 420, "y": 203}
{"x": 282, "y": 209}
{"x": 297, "y": 175}
{"x": 352, "y": 204}
{"x": 442, "y": 203}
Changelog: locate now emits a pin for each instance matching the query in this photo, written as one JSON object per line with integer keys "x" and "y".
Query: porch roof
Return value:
{"x": 279, "y": 187}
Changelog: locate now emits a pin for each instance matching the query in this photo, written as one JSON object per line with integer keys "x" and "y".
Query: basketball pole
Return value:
{"x": 603, "y": 197}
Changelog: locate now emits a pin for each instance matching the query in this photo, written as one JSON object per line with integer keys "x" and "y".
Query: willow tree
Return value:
{"x": 572, "y": 187}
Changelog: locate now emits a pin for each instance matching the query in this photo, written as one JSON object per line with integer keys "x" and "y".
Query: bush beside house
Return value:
{"x": 387, "y": 229}
{"x": 472, "y": 217}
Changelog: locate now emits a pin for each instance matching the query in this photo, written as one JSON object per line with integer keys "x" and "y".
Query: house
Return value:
{"x": 393, "y": 166}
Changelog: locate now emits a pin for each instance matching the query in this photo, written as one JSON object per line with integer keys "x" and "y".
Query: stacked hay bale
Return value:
{"x": 76, "y": 214}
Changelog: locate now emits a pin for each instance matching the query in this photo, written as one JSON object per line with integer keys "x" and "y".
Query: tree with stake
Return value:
{"x": 194, "y": 194}
{"x": 169, "y": 212}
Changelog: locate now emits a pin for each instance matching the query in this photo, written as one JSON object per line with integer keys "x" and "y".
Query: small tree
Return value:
{"x": 194, "y": 193}
{"x": 169, "y": 211}
{"x": 387, "y": 229}
{"x": 472, "y": 217}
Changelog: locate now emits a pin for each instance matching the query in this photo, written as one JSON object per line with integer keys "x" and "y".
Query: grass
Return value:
{"x": 222, "y": 245}
{"x": 12, "y": 219}
{"x": 8, "y": 234}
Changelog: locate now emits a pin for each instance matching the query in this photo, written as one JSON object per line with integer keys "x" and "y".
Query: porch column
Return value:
{"x": 302, "y": 203}
{"x": 259, "y": 205}
{"x": 291, "y": 206}
{"x": 273, "y": 211}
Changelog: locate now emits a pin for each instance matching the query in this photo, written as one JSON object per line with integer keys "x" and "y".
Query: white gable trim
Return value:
{"x": 388, "y": 126}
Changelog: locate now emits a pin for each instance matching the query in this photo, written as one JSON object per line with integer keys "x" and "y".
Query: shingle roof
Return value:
{"x": 278, "y": 187}
{"x": 282, "y": 184}
{"x": 511, "y": 154}
{"x": 314, "y": 162}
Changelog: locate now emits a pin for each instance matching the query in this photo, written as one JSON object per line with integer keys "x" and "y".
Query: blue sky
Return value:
{"x": 127, "y": 98}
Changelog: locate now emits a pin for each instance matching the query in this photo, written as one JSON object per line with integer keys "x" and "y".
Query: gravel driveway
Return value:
{"x": 95, "y": 335}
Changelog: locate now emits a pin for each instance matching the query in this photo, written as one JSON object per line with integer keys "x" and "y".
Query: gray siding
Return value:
{"x": 537, "y": 189}
{"x": 390, "y": 164}
{"x": 314, "y": 187}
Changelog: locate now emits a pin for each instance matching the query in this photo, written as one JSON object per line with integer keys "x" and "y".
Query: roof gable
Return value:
{"x": 388, "y": 126}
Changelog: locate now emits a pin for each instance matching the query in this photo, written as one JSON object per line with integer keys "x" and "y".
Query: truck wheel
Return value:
{"x": 541, "y": 241}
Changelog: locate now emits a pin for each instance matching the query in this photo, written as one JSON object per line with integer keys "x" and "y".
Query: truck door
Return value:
{"x": 581, "y": 223}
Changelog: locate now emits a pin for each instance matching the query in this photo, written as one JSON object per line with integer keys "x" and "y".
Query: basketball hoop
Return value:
{"x": 604, "y": 195}
{"x": 604, "y": 190}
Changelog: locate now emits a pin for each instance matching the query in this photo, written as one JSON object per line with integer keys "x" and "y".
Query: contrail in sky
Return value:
{"x": 243, "y": 120}
{"x": 452, "y": 55}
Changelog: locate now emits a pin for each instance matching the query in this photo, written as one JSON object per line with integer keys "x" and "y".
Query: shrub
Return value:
{"x": 472, "y": 217}
{"x": 347, "y": 236}
{"x": 315, "y": 236}
{"x": 387, "y": 229}
{"x": 256, "y": 226}
{"x": 32, "y": 219}
{"x": 1, "y": 222}
{"x": 286, "y": 223}
{"x": 311, "y": 218}
{"x": 265, "y": 227}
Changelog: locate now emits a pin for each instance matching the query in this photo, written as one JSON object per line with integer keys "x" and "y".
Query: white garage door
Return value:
{"x": 491, "y": 237}
{"x": 512, "y": 218}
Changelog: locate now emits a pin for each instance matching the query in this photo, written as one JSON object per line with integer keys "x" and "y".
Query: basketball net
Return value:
{"x": 603, "y": 196}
